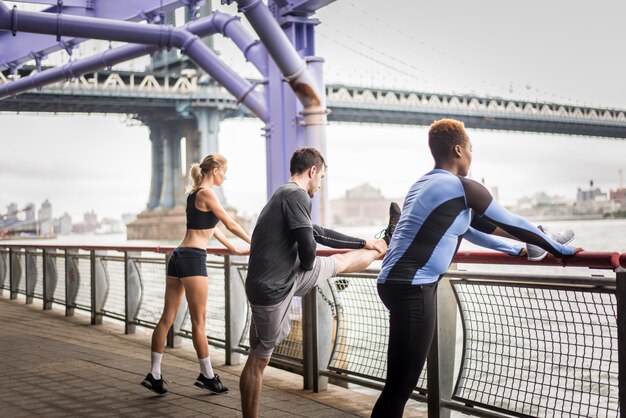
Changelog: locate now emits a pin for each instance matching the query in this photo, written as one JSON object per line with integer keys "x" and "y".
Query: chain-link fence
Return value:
{"x": 539, "y": 350}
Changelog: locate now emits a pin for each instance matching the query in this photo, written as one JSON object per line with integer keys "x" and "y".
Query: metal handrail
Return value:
{"x": 124, "y": 275}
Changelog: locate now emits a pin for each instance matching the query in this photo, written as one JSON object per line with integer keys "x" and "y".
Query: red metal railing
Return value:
{"x": 597, "y": 260}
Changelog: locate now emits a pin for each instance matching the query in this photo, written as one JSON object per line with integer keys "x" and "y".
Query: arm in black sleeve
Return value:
{"x": 335, "y": 239}
{"x": 480, "y": 200}
{"x": 306, "y": 247}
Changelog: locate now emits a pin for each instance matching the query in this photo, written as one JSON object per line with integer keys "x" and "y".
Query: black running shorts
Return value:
{"x": 187, "y": 261}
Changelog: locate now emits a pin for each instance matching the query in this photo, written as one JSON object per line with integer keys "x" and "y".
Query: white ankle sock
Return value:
{"x": 155, "y": 362}
{"x": 206, "y": 368}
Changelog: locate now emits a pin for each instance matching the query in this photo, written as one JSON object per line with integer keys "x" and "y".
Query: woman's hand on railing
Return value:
{"x": 242, "y": 251}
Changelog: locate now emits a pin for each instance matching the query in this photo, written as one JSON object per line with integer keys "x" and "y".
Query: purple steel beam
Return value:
{"x": 286, "y": 132}
{"x": 159, "y": 35}
{"x": 85, "y": 4}
{"x": 26, "y": 46}
{"x": 282, "y": 51}
{"x": 217, "y": 22}
{"x": 301, "y": 6}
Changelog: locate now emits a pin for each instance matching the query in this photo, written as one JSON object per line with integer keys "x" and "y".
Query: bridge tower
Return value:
{"x": 164, "y": 215}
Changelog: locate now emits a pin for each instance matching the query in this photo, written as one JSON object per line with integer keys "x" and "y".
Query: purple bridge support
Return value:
{"x": 291, "y": 104}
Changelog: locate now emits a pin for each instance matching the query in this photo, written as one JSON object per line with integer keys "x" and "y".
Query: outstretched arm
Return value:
{"x": 210, "y": 200}
{"x": 524, "y": 231}
{"x": 487, "y": 241}
{"x": 480, "y": 200}
{"x": 219, "y": 235}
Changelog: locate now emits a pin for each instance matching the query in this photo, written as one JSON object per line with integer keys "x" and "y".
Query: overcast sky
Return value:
{"x": 563, "y": 51}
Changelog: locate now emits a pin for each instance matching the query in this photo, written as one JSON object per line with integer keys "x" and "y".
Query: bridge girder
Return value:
{"x": 24, "y": 47}
{"x": 146, "y": 95}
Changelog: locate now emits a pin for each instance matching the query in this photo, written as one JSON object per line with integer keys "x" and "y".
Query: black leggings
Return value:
{"x": 411, "y": 326}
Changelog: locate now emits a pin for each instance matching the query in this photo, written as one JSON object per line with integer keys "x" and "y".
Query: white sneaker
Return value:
{"x": 536, "y": 253}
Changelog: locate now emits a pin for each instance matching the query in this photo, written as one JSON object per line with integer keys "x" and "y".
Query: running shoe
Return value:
{"x": 536, "y": 253}
{"x": 212, "y": 385}
{"x": 155, "y": 385}
{"x": 394, "y": 217}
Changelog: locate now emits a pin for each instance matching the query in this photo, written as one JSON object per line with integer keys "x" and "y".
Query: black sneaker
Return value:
{"x": 394, "y": 217}
{"x": 212, "y": 385}
{"x": 155, "y": 385}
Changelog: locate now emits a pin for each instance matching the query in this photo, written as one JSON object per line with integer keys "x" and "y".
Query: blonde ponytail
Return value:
{"x": 195, "y": 175}
{"x": 197, "y": 171}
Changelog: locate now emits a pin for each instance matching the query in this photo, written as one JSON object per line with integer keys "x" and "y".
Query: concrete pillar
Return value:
{"x": 192, "y": 149}
{"x": 178, "y": 190}
{"x": 156, "y": 184}
{"x": 172, "y": 182}
{"x": 208, "y": 128}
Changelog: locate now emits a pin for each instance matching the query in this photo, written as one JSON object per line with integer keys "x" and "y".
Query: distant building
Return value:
{"x": 44, "y": 216}
{"x": 543, "y": 206}
{"x": 590, "y": 194}
{"x": 362, "y": 205}
{"x": 63, "y": 225}
{"x": 12, "y": 212}
{"x": 29, "y": 212}
{"x": 618, "y": 196}
{"x": 89, "y": 224}
{"x": 594, "y": 202}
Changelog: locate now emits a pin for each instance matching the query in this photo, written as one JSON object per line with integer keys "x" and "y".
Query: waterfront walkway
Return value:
{"x": 57, "y": 366}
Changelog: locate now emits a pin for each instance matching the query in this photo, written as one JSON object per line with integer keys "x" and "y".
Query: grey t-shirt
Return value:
{"x": 274, "y": 259}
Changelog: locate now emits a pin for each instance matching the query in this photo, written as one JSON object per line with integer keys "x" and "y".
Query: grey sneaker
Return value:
{"x": 536, "y": 253}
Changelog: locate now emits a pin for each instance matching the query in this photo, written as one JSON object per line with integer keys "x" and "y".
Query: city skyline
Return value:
{"x": 98, "y": 162}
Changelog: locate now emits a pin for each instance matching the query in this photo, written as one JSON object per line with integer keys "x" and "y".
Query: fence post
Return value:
{"x": 3, "y": 270}
{"x": 72, "y": 281}
{"x": 236, "y": 309}
{"x": 324, "y": 331}
{"x": 15, "y": 271}
{"x": 49, "y": 278}
{"x": 227, "y": 311}
{"x": 31, "y": 274}
{"x": 98, "y": 282}
{"x": 440, "y": 366}
{"x": 132, "y": 293}
{"x": 309, "y": 340}
{"x": 26, "y": 273}
{"x": 620, "y": 296}
{"x": 432, "y": 373}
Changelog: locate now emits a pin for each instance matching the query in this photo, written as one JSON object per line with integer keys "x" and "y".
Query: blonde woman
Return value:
{"x": 187, "y": 272}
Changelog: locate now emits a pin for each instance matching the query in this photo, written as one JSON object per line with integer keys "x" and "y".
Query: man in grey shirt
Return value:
{"x": 283, "y": 264}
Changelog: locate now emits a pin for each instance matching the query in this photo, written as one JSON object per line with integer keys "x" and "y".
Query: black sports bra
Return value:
{"x": 199, "y": 219}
